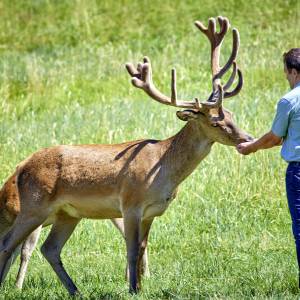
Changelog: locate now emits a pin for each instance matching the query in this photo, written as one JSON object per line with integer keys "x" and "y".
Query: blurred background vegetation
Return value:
{"x": 62, "y": 80}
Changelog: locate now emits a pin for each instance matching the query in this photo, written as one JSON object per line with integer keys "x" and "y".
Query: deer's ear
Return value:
{"x": 187, "y": 115}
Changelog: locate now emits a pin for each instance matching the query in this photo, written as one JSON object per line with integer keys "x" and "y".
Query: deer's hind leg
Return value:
{"x": 26, "y": 251}
{"x": 5, "y": 226}
{"x": 22, "y": 227}
{"x": 34, "y": 210}
{"x": 60, "y": 232}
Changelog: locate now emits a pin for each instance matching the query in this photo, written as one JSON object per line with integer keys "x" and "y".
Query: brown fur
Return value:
{"x": 9, "y": 199}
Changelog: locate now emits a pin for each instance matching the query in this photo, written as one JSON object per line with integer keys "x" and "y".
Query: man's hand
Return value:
{"x": 245, "y": 148}
{"x": 267, "y": 141}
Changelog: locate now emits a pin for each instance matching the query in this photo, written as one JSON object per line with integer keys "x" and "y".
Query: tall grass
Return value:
{"x": 227, "y": 235}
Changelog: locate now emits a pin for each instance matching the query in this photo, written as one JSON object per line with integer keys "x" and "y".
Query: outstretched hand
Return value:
{"x": 245, "y": 148}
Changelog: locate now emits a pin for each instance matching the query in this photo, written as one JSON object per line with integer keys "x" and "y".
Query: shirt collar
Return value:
{"x": 297, "y": 85}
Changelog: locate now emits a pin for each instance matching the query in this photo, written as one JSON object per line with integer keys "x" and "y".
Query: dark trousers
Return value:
{"x": 292, "y": 181}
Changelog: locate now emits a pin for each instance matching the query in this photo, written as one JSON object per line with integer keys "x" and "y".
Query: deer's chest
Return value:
{"x": 156, "y": 206}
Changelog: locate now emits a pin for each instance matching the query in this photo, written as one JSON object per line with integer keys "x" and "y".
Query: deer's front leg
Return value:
{"x": 143, "y": 258}
{"x": 118, "y": 222}
{"x": 132, "y": 224}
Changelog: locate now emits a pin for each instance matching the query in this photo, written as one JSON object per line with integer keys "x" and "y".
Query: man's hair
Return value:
{"x": 292, "y": 59}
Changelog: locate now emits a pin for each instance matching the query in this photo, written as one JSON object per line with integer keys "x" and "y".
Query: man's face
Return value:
{"x": 292, "y": 76}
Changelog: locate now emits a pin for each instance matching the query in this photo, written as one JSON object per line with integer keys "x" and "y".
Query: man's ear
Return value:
{"x": 187, "y": 115}
{"x": 295, "y": 73}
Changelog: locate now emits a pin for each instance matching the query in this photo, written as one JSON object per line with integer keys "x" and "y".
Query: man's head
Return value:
{"x": 291, "y": 60}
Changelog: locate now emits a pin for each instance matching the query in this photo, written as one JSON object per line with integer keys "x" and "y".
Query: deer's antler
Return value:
{"x": 142, "y": 74}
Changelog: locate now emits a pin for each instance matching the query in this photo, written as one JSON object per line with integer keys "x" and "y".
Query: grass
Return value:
{"x": 62, "y": 81}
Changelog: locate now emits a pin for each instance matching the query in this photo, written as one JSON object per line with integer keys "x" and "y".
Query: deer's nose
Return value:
{"x": 249, "y": 138}
{"x": 245, "y": 138}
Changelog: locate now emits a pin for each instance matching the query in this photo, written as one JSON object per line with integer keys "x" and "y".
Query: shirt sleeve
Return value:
{"x": 282, "y": 117}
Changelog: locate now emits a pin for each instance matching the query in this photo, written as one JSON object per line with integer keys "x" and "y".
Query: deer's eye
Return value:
{"x": 227, "y": 129}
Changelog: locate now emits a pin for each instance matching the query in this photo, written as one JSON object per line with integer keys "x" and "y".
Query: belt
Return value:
{"x": 295, "y": 163}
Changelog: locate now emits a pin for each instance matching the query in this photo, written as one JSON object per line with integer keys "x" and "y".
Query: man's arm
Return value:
{"x": 273, "y": 137}
{"x": 268, "y": 140}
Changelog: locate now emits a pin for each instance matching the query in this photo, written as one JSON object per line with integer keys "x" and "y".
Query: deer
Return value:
{"x": 135, "y": 180}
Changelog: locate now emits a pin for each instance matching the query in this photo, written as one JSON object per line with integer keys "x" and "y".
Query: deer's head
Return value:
{"x": 216, "y": 122}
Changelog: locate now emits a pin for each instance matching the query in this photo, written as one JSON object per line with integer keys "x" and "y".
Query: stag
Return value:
{"x": 135, "y": 180}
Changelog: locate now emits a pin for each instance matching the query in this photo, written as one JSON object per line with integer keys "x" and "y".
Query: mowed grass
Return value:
{"x": 63, "y": 81}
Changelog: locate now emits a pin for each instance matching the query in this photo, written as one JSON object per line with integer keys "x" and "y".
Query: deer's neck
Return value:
{"x": 184, "y": 151}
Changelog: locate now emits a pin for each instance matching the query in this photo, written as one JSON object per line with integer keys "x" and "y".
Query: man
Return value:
{"x": 286, "y": 131}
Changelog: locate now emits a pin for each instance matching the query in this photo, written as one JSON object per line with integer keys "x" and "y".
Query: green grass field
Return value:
{"x": 63, "y": 81}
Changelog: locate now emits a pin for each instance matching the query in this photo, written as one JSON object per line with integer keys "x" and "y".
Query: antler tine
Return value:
{"x": 142, "y": 78}
{"x": 197, "y": 103}
{"x": 131, "y": 69}
{"x": 231, "y": 78}
{"x": 235, "y": 48}
{"x": 213, "y": 103}
{"x": 224, "y": 26}
{"x": 200, "y": 26}
{"x": 211, "y": 30}
{"x": 173, "y": 86}
{"x": 237, "y": 89}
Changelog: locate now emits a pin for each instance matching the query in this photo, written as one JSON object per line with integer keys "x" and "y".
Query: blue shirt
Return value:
{"x": 286, "y": 124}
